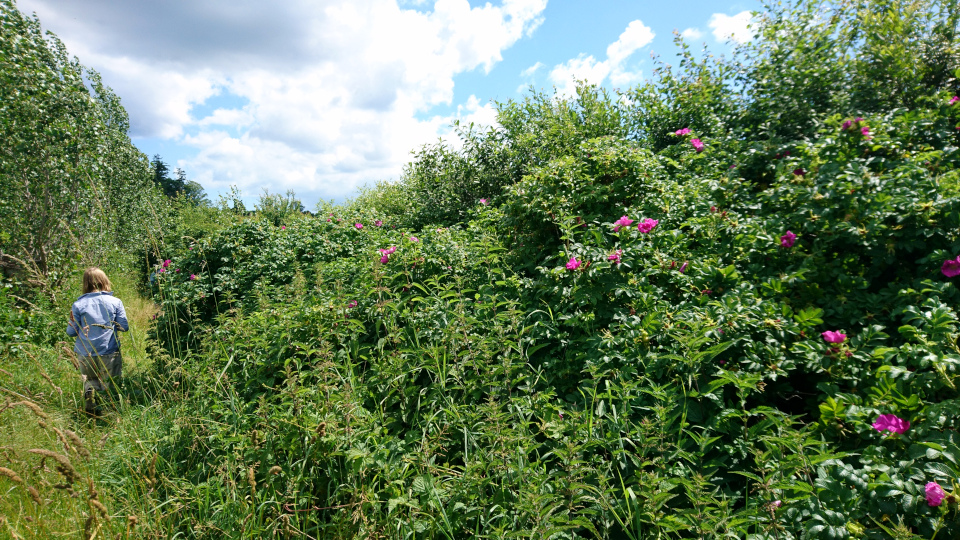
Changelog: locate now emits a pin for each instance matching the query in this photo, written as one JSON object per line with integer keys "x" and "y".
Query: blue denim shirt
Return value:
{"x": 98, "y": 316}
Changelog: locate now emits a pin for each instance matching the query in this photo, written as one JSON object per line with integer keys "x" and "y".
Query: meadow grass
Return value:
{"x": 58, "y": 467}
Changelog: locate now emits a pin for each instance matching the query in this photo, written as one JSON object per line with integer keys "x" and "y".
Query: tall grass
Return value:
{"x": 59, "y": 466}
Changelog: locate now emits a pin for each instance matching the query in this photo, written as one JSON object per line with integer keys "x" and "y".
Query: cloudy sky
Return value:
{"x": 324, "y": 96}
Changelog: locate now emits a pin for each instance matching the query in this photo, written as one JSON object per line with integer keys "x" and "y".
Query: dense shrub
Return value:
{"x": 705, "y": 307}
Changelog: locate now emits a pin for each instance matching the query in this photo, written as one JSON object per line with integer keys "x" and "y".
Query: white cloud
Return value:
{"x": 587, "y": 68}
{"x": 633, "y": 38}
{"x": 531, "y": 70}
{"x": 692, "y": 33}
{"x": 335, "y": 93}
{"x": 228, "y": 117}
{"x": 733, "y": 27}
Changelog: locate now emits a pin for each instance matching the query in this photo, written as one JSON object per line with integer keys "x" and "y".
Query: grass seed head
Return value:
{"x": 32, "y": 406}
{"x": 77, "y": 443}
{"x": 101, "y": 508}
{"x": 63, "y": 463}
{"x": 11, "y": 475}
{"x": 35, "y": 495}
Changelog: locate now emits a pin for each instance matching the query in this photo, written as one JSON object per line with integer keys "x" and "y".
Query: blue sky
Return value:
{"x": 324, "y": 97}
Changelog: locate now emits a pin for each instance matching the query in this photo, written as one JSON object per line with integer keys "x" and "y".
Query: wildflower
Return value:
{"x": 193, "y": 277}
{"x": 799, "y": 172}
{"x": 647, "y": 225}
{"x": 615, "y": 258}
{"x": 776, "y": 503}
{"x": 414, "y": 239}
{"x": 683, "y": 268}
{"x": 573, "y": 263}
{"x": 384, "y": 259}
{"x": 951, "y": 267}
{"x": 954, "y": 99}
{"x": 160, "y": 271}
{"x": 935, "y": 494}
{"x": 891, "y": 423}
{"x": 622, "y": 222}
{"x": 358, "y": 225}
{"x": 684, "y": 131}
{"x": 378, "y": 223}
{"x": 831, "y": 336}
{"x": 846, "y": 125}
{"x": 483, "y": 202}
{"x": 788, "y": 239}
{"x": 283, "y": 227}
{"x": 698, "y": 144}
{"x": 865, "y": 131}
{"x": 166, "y": 263}
{"x": 328, "y": 219}
{"x": 352, "y": 304}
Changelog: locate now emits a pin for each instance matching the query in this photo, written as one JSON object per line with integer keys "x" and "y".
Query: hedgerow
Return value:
{"x": 721, "y": 304}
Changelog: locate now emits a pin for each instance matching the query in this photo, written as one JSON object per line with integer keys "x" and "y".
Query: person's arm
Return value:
{"x": 121, "y": 319}
{"x": 72, "y": 325}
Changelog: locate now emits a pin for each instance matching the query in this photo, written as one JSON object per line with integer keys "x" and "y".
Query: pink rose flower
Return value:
{"x": 615, "y": 257}
{"x": 283, "y": 227}
{"x": 414, "y": 239}
{"x": 831, "y": 336}
{"x": 684, "y": 131}
{"x": 954, "y": 99}
{"x": 683, "y": 268}
{"x": 951, "y": 267}
{"x": 697, "y": 144}
{"x": 865, "y": 131}
{"x": 788, "y": 239}
{"x": 891, "y": 423}
{"x": 935, "y": 494}
{"x": 384, "y": 259}
{"x": 358, "y": 225}
{"x": 352, "y": 304}
{"x": 483, "y": 202}
{"x": 166, "y": 263}
{"x": 193, "y": 277}
{"x": 378, "y": 223}
{"x": 573, "y": 263}
{"x": 647, "y": 225}
{"x": 800, "y": 172}
{"x": 622, "y": 222}
{"x": 846, "y": 125}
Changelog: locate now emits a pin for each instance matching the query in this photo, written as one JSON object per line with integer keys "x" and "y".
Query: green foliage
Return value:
{"x": 71, "y": 182}
{"x": 423, "y": 363}
{"x": 279, "y": 209}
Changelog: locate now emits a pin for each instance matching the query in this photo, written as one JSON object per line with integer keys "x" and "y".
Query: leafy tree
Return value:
{"x": 71, "y": 182}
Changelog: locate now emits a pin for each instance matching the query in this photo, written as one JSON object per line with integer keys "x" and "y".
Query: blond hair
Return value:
{"x": 95, "y": 280}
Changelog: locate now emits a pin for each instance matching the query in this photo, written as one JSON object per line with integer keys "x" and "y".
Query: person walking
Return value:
{"x": 95, "y": 319}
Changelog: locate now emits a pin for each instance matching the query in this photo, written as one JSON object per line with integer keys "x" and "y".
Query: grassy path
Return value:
{"x": 55, "y": 475}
